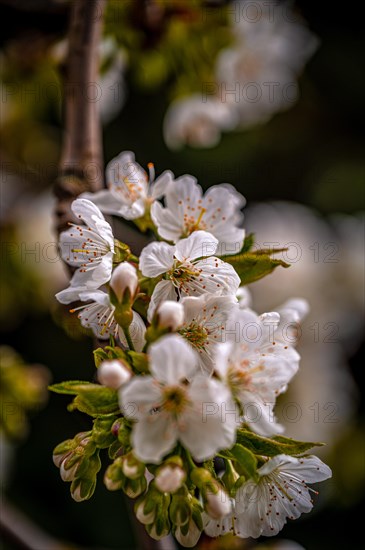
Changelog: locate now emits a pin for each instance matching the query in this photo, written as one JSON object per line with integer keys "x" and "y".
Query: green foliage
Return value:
{"x": 263, "y": 446}
{"x": 252, "y": 265}
{"x": 179, "y": 46}
{"x": 22, "y": 388}
{"x": 246, "y": 460}
{"x": 92, "y": 399}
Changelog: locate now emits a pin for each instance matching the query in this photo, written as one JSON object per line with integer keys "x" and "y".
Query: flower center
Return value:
{"x": 182, "y": 273}
{"x": 191, "y": 223}
{"x": 174, "y": 399}
{"x": 196, "y": 334}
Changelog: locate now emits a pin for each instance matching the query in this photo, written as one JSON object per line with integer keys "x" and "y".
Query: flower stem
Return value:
{"x": 127, "y": 335}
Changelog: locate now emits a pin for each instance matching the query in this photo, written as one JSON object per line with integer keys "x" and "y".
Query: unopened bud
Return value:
{"x": 113, "y": 374}
{"x": 114, "y": 478}
{"x": 188, "y": 535}
{"x": 218, "y": 504}
{"x": 68, "y": 468}
{"x": 170, "y": 315}
{"x": 169, "y": 478}
{"x": 135, "y": 487}
{"x": 180, "y": 510}
{"x": 124, "y": 277}
{"x": 201, "y": 477}
{"x": 82, "y": 488}
{"x": 132, "y": 467}
{"x": 146, "y": 511}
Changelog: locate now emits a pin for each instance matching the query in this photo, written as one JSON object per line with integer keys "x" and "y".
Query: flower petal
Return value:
{"x": 164, "y": 290}
{"x": 137, "y": 331}
{"x": 172, "y": 359}
{"x": 209, "y": 424}
{"x": 153, "y": 437}
{"x": 156, "y": 258}
{"x": 199, "y": 244}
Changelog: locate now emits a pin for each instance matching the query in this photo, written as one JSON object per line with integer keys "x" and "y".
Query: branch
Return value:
{"x": 81, "y": 164}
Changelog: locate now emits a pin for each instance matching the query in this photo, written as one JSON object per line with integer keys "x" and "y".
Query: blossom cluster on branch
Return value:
{"x": 188, "y": 381}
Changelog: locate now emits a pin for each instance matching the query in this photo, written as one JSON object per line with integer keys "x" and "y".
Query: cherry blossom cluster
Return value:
{"x": 188, "y": 382}
{"x": 253, "y": 79}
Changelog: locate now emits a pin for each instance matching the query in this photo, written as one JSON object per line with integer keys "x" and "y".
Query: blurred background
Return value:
{"x": 267, "y": 96}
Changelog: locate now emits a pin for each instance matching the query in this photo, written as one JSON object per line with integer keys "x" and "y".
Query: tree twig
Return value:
{"x": 81, "y": 164}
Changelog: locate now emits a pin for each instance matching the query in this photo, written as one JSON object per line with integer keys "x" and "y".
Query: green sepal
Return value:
{"x": 264, "y": 446}
{"x": 115, "y": 450}
{"x": 139, "y": 361}
{"x": 245, "y": 458}
{"x": 102, "y": 434}
{"x": 108, "y": 353}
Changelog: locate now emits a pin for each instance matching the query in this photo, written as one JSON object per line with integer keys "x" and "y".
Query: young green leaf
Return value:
{"x": 265, "y": 446}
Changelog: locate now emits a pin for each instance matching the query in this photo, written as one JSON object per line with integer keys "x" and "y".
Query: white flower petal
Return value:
{"x": 172, "y": 359}
{"x": 139, "y": 397}
{"x": 161, "y": 185}
{"x": 153, "y": 437}
{"x": 209, "y": 424}
{"x": 156, "y": 258}
{"x": 164, "y": 290}
{"x": 198, "y": 244}
{"x": 137, "y": 330}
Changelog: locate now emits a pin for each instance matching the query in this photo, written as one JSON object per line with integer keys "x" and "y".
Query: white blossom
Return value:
{"x": 113, "y": 374}
{"x": 124, "y": 277}
{"x": 256, "y": 366}
{"x": 167, "y": 409}
{"x": 98, "y": 315}
{"x": 169, "y": 478}
{"x": 170, "y": 315}
{"x": 257, "y": 75}
{"x": 188, "y": 210}
{"x": 189, "y": 268}
{"x": 191, "y": 121}
{"x": 262, "y": 508}
{"x": 130, "y": 190}
{"x": 204, "y": 324}
{"x": 218, "y": 505}
{"x": 89, "y": 247}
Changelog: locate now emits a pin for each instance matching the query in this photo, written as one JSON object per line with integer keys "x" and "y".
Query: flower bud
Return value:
{"x": 113, "y": 374}
{"x": 146, "y": 511}
{"x": 62, "y": 451}
{"x": 188, "y": 535}
{"x": 82, "y": 488}
{"x": 68, "y": 468}
{"x": 114, "y": 478}
{"x": 124, "y": 277}
{"x": 170, "y": 315}
{"x": 132, "y": 467}
{"x": 180, "y": 510}
{"x": 135, "y": 487}
{"x": 201, "y": 478}
{"x": 169, "y": 478}
{"x": 217, "y": 504}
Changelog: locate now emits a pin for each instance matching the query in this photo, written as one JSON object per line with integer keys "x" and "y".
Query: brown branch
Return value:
{"x": 81, "y": 164}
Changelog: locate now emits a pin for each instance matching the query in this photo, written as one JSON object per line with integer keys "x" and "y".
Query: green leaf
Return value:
{"x": 264, "y": 446}
{"x": 97, "y": 401}
{"x": 248, "y": 243}
{"x": 252, "y": 266}
{"x": 72, "y": 387}
{"x": 246, "y": 460}
{"x": 92, "y": 399}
